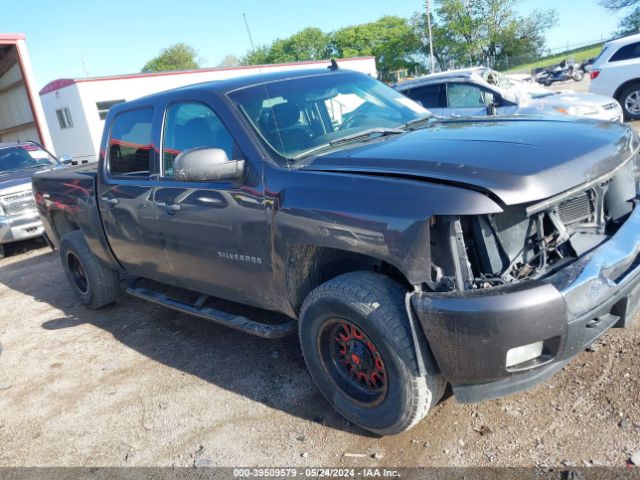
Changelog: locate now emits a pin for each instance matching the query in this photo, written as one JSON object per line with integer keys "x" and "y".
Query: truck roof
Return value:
{"x": 60, "y": 83}
{"x": 231, "y": 84}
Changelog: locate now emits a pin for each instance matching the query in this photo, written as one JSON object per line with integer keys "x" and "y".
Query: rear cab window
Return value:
{"x": 130, "y": 144}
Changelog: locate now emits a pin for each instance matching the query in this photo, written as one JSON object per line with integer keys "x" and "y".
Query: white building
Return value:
{"x": 75, "y": 109}
{"x": 21, "y": 115}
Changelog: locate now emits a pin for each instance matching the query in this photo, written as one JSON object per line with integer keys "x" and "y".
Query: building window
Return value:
{"x": 64, "y": 118}
{"x": 104, "y": 106}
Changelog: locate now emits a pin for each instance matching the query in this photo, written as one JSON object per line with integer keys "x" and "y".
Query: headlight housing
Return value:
{"x": 577, "y": 110}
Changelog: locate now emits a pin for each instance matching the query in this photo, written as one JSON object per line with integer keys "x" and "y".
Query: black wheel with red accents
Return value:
{"x": 356, "y": 340}
{"x": 353, "y": 362}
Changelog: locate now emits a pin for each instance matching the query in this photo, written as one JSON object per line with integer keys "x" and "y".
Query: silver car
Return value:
{"x": 19, "y": 219}
{"x": 482, "y": 91}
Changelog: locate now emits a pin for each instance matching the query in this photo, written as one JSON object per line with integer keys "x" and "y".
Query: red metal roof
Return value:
{"x": 65, "y": 82}
{"x": 11, "y": 37}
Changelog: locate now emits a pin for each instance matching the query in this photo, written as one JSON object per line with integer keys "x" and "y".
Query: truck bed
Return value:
{"x": 67, "y": 201}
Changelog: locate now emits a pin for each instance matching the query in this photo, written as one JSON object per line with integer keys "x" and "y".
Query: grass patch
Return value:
{"x": 579, "y": 55}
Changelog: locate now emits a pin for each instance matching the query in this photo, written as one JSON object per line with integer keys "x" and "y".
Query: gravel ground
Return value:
{"x": 135, "y": 384}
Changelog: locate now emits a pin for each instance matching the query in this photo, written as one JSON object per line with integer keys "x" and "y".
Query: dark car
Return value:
{"x": 406, "y": 251}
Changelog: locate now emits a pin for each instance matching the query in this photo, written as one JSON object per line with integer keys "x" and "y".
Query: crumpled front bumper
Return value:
{"x": 20, "y": 227}
{"x": 470, "y": 332}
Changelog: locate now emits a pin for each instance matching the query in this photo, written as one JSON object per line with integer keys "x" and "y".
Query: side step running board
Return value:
{"x": 197, "y": 309}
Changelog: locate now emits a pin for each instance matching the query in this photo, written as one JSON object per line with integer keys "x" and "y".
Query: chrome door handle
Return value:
{"x": 110, "y": 201}
{"x": 174, "y": 207}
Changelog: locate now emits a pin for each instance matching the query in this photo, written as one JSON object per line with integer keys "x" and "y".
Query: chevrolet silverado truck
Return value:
{"x": 407, "y": 251}
{"x": 19, "y": 218}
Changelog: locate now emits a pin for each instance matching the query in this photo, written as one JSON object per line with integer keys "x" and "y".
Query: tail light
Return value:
{"x": 594, "y": 74}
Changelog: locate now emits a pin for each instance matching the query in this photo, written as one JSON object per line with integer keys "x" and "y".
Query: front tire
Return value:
{"x": 95, "y": 284}
{"x": 630, "y": 101}
{"x": 357, "y": 343}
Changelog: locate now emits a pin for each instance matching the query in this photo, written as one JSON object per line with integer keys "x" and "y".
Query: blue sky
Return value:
{"x": 71, "y": 38}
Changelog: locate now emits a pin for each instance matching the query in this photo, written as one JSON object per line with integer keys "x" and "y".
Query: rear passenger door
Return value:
{"x": 214, "y": 234}
{"x": 125, "y": 193}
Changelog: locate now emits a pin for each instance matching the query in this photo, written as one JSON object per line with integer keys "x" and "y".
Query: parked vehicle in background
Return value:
{"x": 616, "y": 73}
{"x": 482, "y": 91}
{"x": 566, "y": 70}
{"x": 406, "y": 250}
{"x": 19, "y": 219}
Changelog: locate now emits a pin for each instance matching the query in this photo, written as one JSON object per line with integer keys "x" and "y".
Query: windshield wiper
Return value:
{"x": 364, "y": 134}
{"x": 417, "y": 122}
{"x": 37, "y": 165}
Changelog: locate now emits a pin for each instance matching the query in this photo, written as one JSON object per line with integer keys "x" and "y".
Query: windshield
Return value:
{"x": 509, "y": 89}
{"x": 296, "y": 116}
{"x": 24, "y": 157}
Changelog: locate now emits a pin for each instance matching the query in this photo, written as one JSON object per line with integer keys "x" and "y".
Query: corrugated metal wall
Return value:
{"x": 16, "y": 118}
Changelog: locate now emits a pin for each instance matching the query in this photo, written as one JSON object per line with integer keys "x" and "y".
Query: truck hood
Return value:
{"x": 516, "y": 159}
{"x": 15, "y": 179}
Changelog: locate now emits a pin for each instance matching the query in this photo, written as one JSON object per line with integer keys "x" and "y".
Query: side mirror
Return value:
{"x": 204, "y": 164}
{"x": 66, "y": 159}
{"x": 492, "y": 108}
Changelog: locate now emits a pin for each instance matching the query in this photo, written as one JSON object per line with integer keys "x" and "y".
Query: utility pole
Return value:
{"x": 246, "y": 24}
{"x": 431, "y": 56}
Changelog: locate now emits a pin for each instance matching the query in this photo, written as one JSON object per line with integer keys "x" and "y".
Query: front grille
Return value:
{"x": 576, "y": 209}
{"x": 18, "y": 203}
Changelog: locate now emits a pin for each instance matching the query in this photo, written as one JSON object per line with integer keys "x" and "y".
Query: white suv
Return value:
{"x": 616, "y": 73}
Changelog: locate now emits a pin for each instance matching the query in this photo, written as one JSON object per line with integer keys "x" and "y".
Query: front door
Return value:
{"x": 468, "y": 100}
{"x": 215, "y": 234}
{"x": 125, "y": 193}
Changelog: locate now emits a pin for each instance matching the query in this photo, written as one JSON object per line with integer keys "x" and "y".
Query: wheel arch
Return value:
{"x": 62, "y": 223}
{"x": 308, "y": 266}
{"x": 624, "y": 86}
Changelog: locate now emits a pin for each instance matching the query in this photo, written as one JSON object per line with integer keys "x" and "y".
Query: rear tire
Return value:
{"x": 630, "y": 101}
{"x": 94, "y": 284}
{"x": 357, "y": 343}
{"x": 577, "y": 75}
{"x": 2, "y": 251}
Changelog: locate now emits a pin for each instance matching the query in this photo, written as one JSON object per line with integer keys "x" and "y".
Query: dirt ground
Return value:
{"x": 135, "y": 384}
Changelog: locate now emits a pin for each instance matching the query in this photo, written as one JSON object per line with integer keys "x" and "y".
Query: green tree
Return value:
{"x": 392, "y": 40}
{"x": 629, "y": 24}
{"x": 618, "y": 4}
{"x": 308, "y": 44}
{"x": 176, "y": 57}
{"x": 257, "y": 56}
{"x": 229, "y": 61}
{"x": 485, "y": 32}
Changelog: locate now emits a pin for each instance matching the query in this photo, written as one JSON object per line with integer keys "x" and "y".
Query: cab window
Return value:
{"x": 190, "y": 125}
{"x": 129, "y": 147}
{"x": 429, "y": 96}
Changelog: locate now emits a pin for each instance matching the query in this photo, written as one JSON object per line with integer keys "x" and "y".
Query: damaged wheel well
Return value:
{"x": 308, "y": 266}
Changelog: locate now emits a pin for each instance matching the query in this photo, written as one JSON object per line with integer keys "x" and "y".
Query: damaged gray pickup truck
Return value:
{"x": 406, "y": 251}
